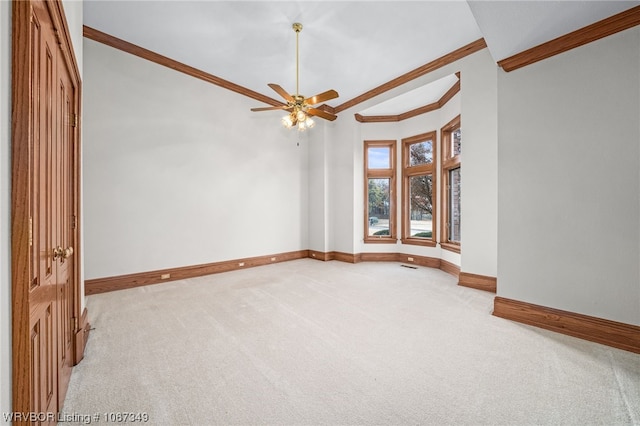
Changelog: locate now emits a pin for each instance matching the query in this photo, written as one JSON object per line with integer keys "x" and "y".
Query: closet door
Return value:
{"x": 45, "y": 152}
{"x": 65, "y": 224}
{"x": 43, "y": 291}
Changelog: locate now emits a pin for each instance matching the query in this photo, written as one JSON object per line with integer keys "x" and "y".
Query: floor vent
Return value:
{"x": 409, "y": 266}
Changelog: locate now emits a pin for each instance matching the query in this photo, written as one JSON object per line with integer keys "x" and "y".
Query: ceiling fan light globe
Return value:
{"x": 301, "y": 116}
{"x": 287, "y": 121}
{"x": 309, "y": 123}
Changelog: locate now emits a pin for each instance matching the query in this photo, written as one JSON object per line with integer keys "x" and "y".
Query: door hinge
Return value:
{"x": 30, "y": 231}
{"x": 73, "y": 222}
{"x": 57, "y": 34}
{"x": 73, "y": 120}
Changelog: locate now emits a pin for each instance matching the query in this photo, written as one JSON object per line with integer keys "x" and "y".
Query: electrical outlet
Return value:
{"x": 241, "y": 264}
{"x": 409, "y": 259}
{"x": 165, "y": 276}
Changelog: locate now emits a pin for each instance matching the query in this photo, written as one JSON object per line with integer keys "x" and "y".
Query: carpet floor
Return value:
{"x": 331, "y": 343}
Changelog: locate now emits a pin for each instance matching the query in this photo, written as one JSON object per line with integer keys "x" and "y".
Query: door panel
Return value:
{"x": 45, "y": 291}
{"x": 64, "y": 163}
{"x": 50, "y": 295}
{"x": 42, "y": 296}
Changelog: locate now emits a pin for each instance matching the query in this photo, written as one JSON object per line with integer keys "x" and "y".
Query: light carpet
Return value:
{"x": 331, "y": 343}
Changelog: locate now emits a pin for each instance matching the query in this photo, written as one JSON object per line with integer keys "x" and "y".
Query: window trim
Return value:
{"x": 409, "y": 171}
{"x": 381, "y": 174}
{"x": 448, "y": 162}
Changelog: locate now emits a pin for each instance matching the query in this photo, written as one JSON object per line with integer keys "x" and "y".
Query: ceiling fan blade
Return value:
{"x": 281, "y": 92}
{"x": 322, "y": 114}
{"x": 325, "y": 96}
{"x": 270, "y": 108}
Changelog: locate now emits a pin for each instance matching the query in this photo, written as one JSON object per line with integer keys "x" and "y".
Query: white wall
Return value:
{"x": 569, "y": 184}
{"x": 5, "y": 203}
{"x": 317, "y": 189}
{"x": 342, "y": 183}
{"x": 479, "y": 173}
{"x": 179, "y": 172}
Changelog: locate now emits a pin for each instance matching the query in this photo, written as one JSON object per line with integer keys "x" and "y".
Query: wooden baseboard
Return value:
{"x": 334, "y": 255}
{"x": 81, "y": 337}
{"x": 429, "y": 262}
{"x": 380, "y": 257}
{"x": 449, "y": 268}
{"x": 410, "y": 259}
{"x": 319, "y": 255}
{"x": 102, "y": 285}
{"x": 611, "y": 333}
{"x": 121, "y": 282}
{"x": 344, "y": 257}
{"x": 479, "y": 282}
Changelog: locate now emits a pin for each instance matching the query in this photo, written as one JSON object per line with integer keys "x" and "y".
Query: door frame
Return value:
{"x": 20, "y": 186}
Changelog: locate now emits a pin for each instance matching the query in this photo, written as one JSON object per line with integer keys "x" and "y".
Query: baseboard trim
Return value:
{"x": 122, "y": 282}
{"x": 319, "y": 255}
{"x": 380, "y": 257}
{"x": 103, "y": 285}
{"x": 410, "y": 259}
{"x": 450, "y": 268}
{"x": 611, "y": 333}
{"x": 81, "y": 337}
{"x": 334, "y": 255}
{"x": 344, "y": 257}
{"x": 479, "y": 282}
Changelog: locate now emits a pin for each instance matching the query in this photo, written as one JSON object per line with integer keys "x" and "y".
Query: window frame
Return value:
{"x": 390, "y": 174}
{"x": 409, "y": 171}
{"x": 448, "y": 162}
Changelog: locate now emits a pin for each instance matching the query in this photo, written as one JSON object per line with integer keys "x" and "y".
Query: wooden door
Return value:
{"x": 45, "y": 287}
{"x": 43, "y": 293}
{"x": 65, "y": 223}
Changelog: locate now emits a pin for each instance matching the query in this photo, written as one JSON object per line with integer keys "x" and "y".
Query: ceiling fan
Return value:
{"x": 300, "y": 108}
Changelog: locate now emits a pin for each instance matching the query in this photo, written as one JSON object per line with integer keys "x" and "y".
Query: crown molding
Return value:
{"x": 409, "y": 114}
{"x": 418, "y": 72}
{"x": 141, "y": 52}
{"x": 606, "y": 27}
{"x": 149, "y": 55}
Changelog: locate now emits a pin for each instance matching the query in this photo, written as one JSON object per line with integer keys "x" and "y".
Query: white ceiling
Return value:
{"x": 349, "y": 46}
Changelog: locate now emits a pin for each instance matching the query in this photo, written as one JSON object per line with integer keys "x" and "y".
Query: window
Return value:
{"x": 451, "y": 137}
{"x": 418, "y": 195}
{"x": 379, "y": 191}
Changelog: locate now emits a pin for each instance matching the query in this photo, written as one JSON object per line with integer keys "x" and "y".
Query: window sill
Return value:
{"x": 419, "y": 242}
{"x": 380, "y": 240}
{"x": 451, "y": 247}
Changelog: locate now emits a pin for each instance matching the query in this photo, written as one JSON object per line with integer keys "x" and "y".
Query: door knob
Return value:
{"x": 67, "y": 252}
{"x": 58, "y": 253}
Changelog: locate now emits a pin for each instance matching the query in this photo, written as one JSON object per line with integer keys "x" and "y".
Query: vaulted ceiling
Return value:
{"x": 350, "y": 46}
